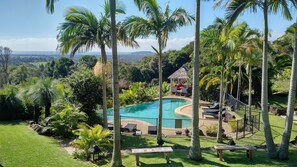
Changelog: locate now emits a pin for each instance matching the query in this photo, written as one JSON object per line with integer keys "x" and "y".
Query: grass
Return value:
{"x": 21, "y": 146}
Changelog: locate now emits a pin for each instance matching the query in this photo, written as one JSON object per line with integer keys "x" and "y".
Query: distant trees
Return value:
{"x": 89, "y": 61}
{"x": 5, "y": 55}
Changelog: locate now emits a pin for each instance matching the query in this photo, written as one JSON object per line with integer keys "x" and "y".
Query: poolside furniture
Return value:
{"x": 173, "y": 89}
{"x": 214, "y": 112}
{"x": 110, "y": 126}
{"x": 221, "y": 148}
{"x": 138, "y": 133}
{"x": 138, "y": 151}
{"x": 178, "y": 133}
{"x": 184, "y": 91}
{"x": 152, "y": 130}
{"x": 130, "y": 127}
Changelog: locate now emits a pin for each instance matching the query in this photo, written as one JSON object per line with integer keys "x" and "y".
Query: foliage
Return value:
{"x": 89, "y": 136}
{"x": 211, "y": 130}
{"x": 11, "y": 107}
{"x": 88, "y": 61}
{"x": 86, "y": 88}
{"x": 59, "y": 68}
{"x": 66, "y": 120}
{"x": 234, "y": 126}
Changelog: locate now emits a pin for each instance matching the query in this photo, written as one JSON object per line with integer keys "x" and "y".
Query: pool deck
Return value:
{"x": 185, "y": 110}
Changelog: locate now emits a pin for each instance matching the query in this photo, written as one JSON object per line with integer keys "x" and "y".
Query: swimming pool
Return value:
{"x": 148, "y": 112}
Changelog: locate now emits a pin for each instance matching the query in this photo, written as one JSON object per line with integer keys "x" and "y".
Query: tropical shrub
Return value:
{"x": 63, "y": 122}
{"x": 211, "y": 130}
{"x": 89, "y": 136}
{"x": 233, "y": 124}
{"x": 87, "y": 89}
{"x": 11, "y": 107}
{"x": 135, "y": 94}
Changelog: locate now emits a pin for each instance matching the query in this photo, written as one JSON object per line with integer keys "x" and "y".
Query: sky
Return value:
{"x": 26, "y": 26}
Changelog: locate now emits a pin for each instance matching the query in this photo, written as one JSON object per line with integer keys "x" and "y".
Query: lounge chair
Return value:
{"x": 184, "y": 91}
{"x": 214, "y": 113}
{"x": 152, "y": 130}
{"x": 110, "y": 126}
{"x": 173, "y": 89}
{"x": 130, "y": 127}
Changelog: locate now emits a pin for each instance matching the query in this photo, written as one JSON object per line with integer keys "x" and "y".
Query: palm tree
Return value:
{"x": 284, "y": 147}
{"x": 158, "y": 24}
{"x": 195, "y": 151}
{"x": 116, "y": 154}
{"x": 220, "y": 41}
{"x": 234, "y": 9}
{"x": 50, "y": 6}
{"x": 43, "y": 93}
{"x": 83, "y": 31}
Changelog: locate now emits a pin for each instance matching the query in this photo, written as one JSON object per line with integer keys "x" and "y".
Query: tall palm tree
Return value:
{"x": 220, "y": 41}
{"x": 234, "y": 9}
{"x": 284, "y": 147}
{"x": 195, "y": 151}
{"x": 116, "y": 154}
{"x": 158, "y": 24}
{"x": 83, "y": 31}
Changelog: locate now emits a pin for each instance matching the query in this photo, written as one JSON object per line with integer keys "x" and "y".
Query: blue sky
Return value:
{"x": 26, "y": 26}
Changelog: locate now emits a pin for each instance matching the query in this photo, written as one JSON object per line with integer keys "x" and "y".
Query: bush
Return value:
{"x": 233, "y": 125}
{"x": 86, "y": 88}
{"x": 211, "y": 130}
{"x": 11, "y": 107}
{"x": 89, "y": 136}
{"x": 65, "y": 121}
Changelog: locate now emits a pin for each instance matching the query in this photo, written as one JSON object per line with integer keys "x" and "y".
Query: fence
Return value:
{"x": 240, "y": 126}
{"x": 166, "y": 122}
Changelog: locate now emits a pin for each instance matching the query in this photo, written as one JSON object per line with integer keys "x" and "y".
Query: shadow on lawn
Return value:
{"x": 10, "y": 123}
{"x": 135, "y": 142}
{"x": 172, "y": 163}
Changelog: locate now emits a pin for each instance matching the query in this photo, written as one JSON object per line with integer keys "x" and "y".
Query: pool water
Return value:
{"x": 149, "y": 111}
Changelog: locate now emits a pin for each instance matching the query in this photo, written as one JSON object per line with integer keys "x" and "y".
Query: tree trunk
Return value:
{"x": 264, "y": 88}
{"x": 104, "y": 102}
{"x": 284, "y": 147}
{"x": 36, "y": 113}
{"x": 47, "y": 109}
{"x": 250, "y": 94}
{"x": 159, "y": 132}
{"x": 195, "y": 151}
{"x": 116, "y": 154}
{"x": 220, "y": 119}
{"x": 239, "y": 83}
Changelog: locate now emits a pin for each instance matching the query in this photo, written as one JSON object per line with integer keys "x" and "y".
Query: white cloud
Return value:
{"x": 50, "y": 44}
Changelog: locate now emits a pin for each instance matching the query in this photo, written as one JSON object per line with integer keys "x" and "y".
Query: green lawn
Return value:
{"x": 21, "y": 146}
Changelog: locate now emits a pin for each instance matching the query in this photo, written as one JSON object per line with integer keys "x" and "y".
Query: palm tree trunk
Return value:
{"x": 159, "y": 132}
{"x": 104, "y": 102}
{"x": 47, "y": 109}
{"x": 264, "y": 88}
{"x": 116, "y": 154}
{"x": 195, "y": 151}
{"x": 220, "y": 119}
{"x": 284, "y": 147}
{"x": 239, "y": 83}
{"x": 250, "y": 93}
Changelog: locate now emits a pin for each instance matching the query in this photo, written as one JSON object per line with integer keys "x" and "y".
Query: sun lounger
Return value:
{"x": 152, "y": 130}
{"x": 130, "y": 127}
{"x": 173, "y": 90}
{"x": 214, "y": 113}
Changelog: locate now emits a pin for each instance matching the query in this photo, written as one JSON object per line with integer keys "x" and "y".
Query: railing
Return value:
{"x": 241, "y": 126}
{"x": 166, "y": 122}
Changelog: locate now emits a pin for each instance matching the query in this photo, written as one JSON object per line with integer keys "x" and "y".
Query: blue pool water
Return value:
{"x": 148, "y": 112}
